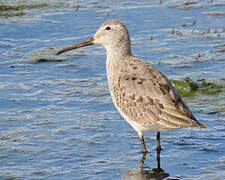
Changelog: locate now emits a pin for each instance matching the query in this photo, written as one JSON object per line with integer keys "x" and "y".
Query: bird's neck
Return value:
{"x": 116, "y": 58}
{"x": 116, "y": 53}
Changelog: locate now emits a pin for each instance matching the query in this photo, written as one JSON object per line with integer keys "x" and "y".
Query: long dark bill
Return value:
{"x": 78, "y": 45}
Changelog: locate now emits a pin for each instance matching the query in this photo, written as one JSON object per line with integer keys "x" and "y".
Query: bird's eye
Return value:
{"x": 107, "y": 28}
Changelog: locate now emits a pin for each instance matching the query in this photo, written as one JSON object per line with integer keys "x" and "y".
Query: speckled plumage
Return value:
{"x": 143, "y": 95}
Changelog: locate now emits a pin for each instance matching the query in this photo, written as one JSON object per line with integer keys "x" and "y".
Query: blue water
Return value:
{"x": 57, "y": 120}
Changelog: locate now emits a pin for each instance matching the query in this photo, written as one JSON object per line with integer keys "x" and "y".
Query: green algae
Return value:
{"x": 11, "y": 14}
{"x": 187, "y": 87}
{"x": 4, "y": 7}
{"x": 46, "y": 54}
{"x": 16, "y": 10}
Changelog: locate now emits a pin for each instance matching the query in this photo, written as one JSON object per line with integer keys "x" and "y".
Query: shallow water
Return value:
{"x": 57, "y": 120}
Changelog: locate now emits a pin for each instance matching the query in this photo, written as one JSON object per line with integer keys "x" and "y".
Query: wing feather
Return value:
{"x": 150, "y": 99}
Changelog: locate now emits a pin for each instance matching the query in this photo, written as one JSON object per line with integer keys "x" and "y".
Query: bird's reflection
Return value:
{"x": 145, "y": 173}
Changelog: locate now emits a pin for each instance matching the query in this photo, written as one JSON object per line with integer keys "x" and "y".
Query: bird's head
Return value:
{"x": 111, "y": 35}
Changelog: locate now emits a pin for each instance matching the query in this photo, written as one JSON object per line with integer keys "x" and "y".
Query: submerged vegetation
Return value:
{"x": 16, "y": 10}
{"x": 11, "y": 14}
{"x": 22, "y": 6}
{"x": 188, "y": 87}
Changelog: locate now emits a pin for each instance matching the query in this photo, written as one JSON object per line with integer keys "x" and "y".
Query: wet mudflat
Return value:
{"x": 57, "y": 120}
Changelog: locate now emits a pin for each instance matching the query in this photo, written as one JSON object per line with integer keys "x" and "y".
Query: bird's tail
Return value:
{"x": 202, "y": 126}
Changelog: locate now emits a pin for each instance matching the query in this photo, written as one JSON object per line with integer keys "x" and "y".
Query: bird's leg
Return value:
{"x": 158, "y": 143}
{"x": 142, "y": 161}
{"x": 158, "y": 159}
{"x": 143, "y": 144}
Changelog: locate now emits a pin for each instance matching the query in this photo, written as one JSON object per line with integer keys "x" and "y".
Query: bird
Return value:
{"x": 143, "y": 95}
